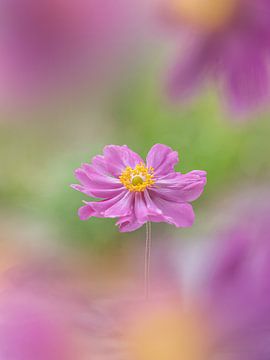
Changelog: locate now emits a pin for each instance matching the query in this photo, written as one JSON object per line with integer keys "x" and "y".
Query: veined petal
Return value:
{"x": 97, "y": 193}
{"x": 98, "y": 178}
{"x": 99, "y": 208}
{"x": 119, "y": 157}
{"x": 124, "y": 206}
{"x": 162, "y": 158}
{"x": 151, "y": 206}
{"x": 95, "y": 184}
{"x": 89, "y": 178}
{"x": 85, "y": 212}
{"x": 178, "y": 214}
{"x": 128, "y": 223}
{"x": 100, "y": 165}
{"x": 140, "y": 208}
{"x": 182, "y": 187}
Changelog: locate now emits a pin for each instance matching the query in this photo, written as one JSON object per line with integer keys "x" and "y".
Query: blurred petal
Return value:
{"x": 191, "y": 69}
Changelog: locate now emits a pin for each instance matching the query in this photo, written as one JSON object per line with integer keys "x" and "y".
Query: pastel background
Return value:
{"x": 76, "y": 76}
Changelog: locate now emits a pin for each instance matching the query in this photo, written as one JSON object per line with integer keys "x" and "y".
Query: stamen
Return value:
{"x": 137, "y": 179}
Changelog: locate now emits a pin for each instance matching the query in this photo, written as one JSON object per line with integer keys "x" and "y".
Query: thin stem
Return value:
{"x": 147, "y": 259}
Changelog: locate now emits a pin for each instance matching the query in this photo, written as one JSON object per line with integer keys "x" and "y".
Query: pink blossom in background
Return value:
{"x": 228, "y": 41}
{"x": 49, "y": 44}
{"x": 224, "y": 313}
{"x": 30, "y": 330}
{"x": 136, "y": 191}
{"x": 235, "y": 287}
{"x": 37, "y": 313}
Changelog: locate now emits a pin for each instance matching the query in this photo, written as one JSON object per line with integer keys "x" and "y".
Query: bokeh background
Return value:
{"x": 111, "y": 90}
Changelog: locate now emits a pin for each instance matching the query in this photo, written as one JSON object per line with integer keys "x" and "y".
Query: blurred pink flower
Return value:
{"x": 52, "y": 43}
{"x": 235, "y": 288}
{"x": 32, "y": 330}
{"x": 225, "y": 40}
{"x": 137, "y": 192}
{"x": 38, "y": 312}
{"x": 221, "y": 312}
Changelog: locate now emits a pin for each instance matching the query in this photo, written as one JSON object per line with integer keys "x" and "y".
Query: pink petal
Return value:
{"x": 97, "y": 193}
{"x": 98, "y": 178}
{"x": 128, "y": 223}
{"x": 179, "y": 214}
{"x": 140, "y": 208}
{"x": 96, "y": 184}
{"x": 191, "y": 69}
{"x": 151, "y": 206}
{"x": 90, "y": 178}
{"x": 162, "y": 158}
{"x": 245, "y": 76}
{"x": 98, "y": 208}
{"x": 85, "y": 212}
{"x": 181, "y": 187}
{"x": 119, "y": 157}
{"x": 100, "y": 165}
{"x": 122, "y": 207}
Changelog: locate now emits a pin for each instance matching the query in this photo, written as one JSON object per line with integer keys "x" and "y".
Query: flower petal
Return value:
{"x": 99, "y": 208}
{"x": 182, "y": 187}
{"x": 122, "y": 207}
{"x": 189, "y": 72}
{"x": 140, "y": 208}
{"x": 85, "y": 212}
{"x": 97, "y": 193}
{"x": 100, "y": 165}
{"x": 162, "y": 158}
{"x": 245, "y": 75}
{"x": 151, "y": 206}
{"x": 128, "y": 223}
{"x": 119, "y": 157}
{"x": 96, "y": 184}
{"x": 178, "y": 214}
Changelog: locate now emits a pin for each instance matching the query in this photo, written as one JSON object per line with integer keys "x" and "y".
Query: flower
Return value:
{"x": 228, "y": 41}
{"x": 218, "y": 309}
{"x": 136, "y": 191}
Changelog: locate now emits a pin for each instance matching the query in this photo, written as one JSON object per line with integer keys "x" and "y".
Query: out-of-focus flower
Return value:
{"x": 163, "y": 330}
{"x": 37, "y": 313}
{"x": 236, "y": 289}
{"x": 137, "y": 192}
{"x": 224, "y": 314}
{"x": 30, "y": 329}
{"x": 47, "y": 311}
{"x": 228, "y": 41}
{"x": 53, "y": 43}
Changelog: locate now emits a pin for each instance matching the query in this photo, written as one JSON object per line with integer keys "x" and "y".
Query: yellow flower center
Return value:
{"x": 209, "y": 14}
{"x": 137, "y": 179}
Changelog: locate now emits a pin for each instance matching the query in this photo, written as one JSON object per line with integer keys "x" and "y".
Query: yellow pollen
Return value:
{"x": 137, "y": 179}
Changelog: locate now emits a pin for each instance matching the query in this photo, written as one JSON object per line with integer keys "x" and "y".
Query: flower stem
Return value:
{"x": 147, "y": 259}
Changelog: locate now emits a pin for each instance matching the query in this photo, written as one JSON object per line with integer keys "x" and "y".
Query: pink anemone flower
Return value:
{"x": 228, "y": 41}
{"x": 136, "y": 191}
